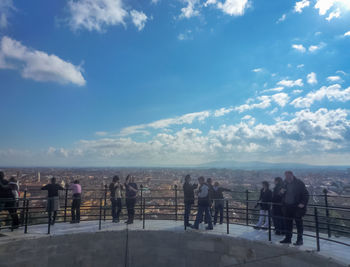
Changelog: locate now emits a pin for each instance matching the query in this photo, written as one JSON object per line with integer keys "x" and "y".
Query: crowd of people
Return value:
{"x": 285, "y": 204}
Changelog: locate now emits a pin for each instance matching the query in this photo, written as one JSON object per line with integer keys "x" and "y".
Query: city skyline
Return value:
{"x": 174, "y": 83}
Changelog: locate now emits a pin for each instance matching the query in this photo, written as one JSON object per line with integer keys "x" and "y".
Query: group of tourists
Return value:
{"x": 209, "y": 196}
{"x": 287, "y": 203}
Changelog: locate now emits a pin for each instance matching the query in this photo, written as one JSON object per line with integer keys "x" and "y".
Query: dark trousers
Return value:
{"x": 206, "y": 210}
{"x": 187, "y": 213}
{"x": 278, "y": 218}
{"x": 293, "y": 213}
{"x": 76, "y": 208}
{"x": 219, "y": 209}
{"x": 11, "y": 207}
{"x": 116, "y": 208}
{"x": 130, "y": 206}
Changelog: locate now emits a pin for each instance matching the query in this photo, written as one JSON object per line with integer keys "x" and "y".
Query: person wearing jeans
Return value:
{"x": 116, "y": 198}
{"x": 76, "y": 201}
{"x": 188, "y": 189}
{"x": 130, "y": 198}
{"x": 203, "y": 205}
{"x": 218, "y": 197}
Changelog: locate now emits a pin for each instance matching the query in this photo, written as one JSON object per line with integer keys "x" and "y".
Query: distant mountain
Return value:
{"x": 259, "y": 165}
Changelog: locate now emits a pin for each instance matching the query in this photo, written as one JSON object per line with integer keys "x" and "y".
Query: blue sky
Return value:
{"x": 181, "y": 82}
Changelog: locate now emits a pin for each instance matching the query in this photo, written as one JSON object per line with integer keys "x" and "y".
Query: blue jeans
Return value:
{"x": 206, "y": 210}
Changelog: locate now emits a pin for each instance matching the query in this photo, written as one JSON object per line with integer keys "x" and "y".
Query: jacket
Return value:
{"x": 189, "y": 192}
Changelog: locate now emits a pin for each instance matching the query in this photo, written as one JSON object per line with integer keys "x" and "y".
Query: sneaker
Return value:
{"x": 188, "y": 225}
{"x": 286, "y": 241}
{"x": 194, "y": 227}
{"x": 257, "y": 227}
{"x": 126, "y": 221}
{"x": 73, "y": 222}
{"x": 208, "y": 228}
{"x": 298, "y": 243}
{"x": 129, "y": 222}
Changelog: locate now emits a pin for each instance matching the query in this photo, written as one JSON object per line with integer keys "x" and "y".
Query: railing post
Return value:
{"x": 247, "y": 207}
{"x": 26, "y": 216}
{"x": 269, "y": 222}
{"x": 24, "y": 206}
{"x": 175, "y": 202}
{"x": 144, "y": 214}
{"x": 227, "y": 219}
{"x": 100, "y": 217}
{"x": 105, "y": 203}
{"x": 141, "y": 208}
{"x": 327, "y": 211}
{"x": 65, "y": 204}
{"x": 317, "y": 230}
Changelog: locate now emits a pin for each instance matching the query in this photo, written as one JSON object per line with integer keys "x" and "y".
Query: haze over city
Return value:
{"x": 174, "y": 83}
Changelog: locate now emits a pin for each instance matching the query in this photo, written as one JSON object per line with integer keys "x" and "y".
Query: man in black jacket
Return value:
{"x": 295, "y": 199}
{"x": 188, "y": 198}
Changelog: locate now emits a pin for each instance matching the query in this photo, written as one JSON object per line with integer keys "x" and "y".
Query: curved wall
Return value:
{"x": 152, "y": 248}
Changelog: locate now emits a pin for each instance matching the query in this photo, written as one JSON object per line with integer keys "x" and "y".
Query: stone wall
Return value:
{"x": 152, "y": 248}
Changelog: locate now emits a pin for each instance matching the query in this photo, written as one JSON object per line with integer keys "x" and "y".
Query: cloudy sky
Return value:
{"x": 174, "y": 82}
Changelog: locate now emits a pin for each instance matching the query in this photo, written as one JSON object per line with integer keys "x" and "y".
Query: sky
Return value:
{"x": 174, "y": 82}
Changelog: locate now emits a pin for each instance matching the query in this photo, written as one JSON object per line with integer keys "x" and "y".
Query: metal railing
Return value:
{"x": 237, "y": 210}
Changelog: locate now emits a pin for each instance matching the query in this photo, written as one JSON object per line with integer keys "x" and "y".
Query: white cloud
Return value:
{"x": 311, "y": 78}
{"x": 190, "y": 10}
{"x": 347, "y": 34}
{"x": 333, "y": 79}
{"x": 155, "y": 1}
{"x": 38, "y": 65}
{"x": 276, "y": 89}
{"x": 95, "y": 15}
{"x": 6, "y": 8}
{"x": 291, "y": 83}
{"x": 101, "y": 133}
{"x": 139, "y": 19}
{"x": 282, "y": 18}
{"x": 299, "y": 6}
{"x": 332, "y": 93}
{"x": 297, "y": 91}
{"x": 338, "y": 6}
{"x": 222, "y": 111}
{"x": 299, "y": 47}
{"x": 281, "y": 99}
{"x": 300, "y": 66}
{"x": 257, "y": 70}
{"x": 233, "y": 7}
{"x": 334, "y": 14}
{"x": 314, "y": 48}
{"x": 187, "y": 35}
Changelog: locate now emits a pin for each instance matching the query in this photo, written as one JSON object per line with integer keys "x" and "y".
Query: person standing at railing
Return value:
{"x": 218, "y": 197}
{"x": 278, "y": 219}
{"x": 211, "y": 197}
{"x": 188, "y": 189}
{"x": 203, "y": 205}
{"x": 53, "y": 203}
{"x": 8, "y": 200}
{"x": 115, "y": 189}
{"x": 130, "y": 197}
{"x": 76, "y": 201}
{"x": 295, "y": 200}
{"x": 264, "y": 204}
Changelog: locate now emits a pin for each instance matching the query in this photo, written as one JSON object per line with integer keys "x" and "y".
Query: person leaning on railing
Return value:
{"x": 53, "y": 203}
{"x": 76, "y": 191}
{"x": 130, "y": 197}
{"x": 218, "y": 197}
{"x": 188, "y": 189}
{"x": 295, "y": 199}
{"x": 8, "y": 200}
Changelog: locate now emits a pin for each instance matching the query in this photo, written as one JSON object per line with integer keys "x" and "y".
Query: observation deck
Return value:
{"x": 160, "y": 243}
